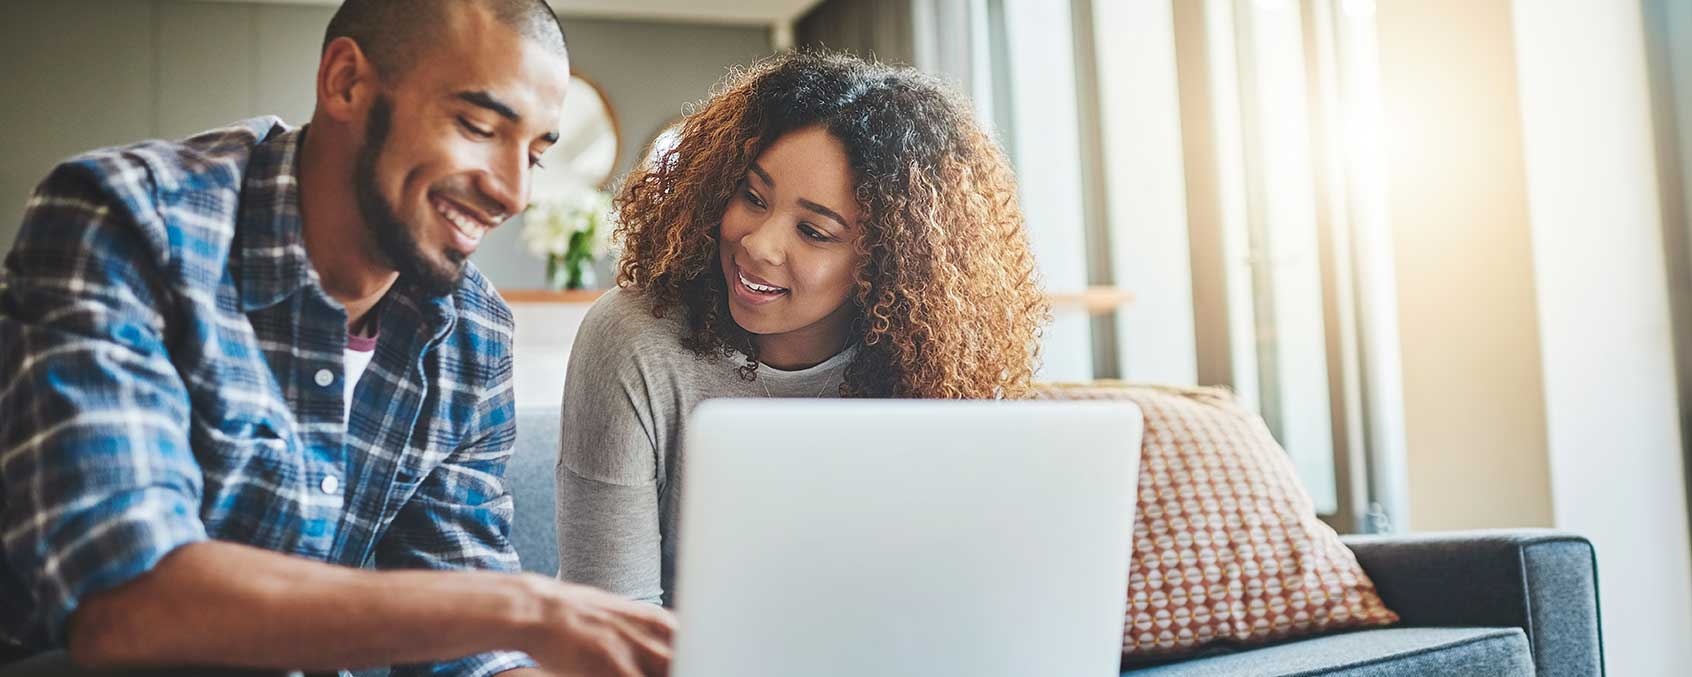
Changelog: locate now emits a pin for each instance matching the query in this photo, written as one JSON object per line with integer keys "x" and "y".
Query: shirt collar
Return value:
{"x": 269, "y": 244}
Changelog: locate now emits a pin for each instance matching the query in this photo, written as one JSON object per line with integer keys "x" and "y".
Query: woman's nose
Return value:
{"x": 763, "y": 244}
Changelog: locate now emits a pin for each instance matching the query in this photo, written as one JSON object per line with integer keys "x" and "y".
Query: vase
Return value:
{"x": 568, "y": 272}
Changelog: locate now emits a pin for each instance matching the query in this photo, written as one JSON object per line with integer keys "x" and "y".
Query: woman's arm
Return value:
{"x": 607, "y": 473}
{"x": 608, "y": 536}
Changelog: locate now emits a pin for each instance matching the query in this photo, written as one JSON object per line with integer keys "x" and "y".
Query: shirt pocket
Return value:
{"x": 253, "y": 474}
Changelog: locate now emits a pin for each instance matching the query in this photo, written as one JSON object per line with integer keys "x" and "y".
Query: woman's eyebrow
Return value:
{"x": 825, "y": 211}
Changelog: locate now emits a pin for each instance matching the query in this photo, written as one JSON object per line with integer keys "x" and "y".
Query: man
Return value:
{"x": 237, "y": 369}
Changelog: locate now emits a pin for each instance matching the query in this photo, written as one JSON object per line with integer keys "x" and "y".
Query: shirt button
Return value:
{"x": 325, "y": 377}
{"x": 331, "y": 484}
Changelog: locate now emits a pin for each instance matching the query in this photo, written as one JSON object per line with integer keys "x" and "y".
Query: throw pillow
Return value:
{"x": 1227, "y": 546}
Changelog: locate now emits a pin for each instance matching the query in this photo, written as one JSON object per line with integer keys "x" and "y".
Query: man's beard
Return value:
{"x": 396, "y": 240}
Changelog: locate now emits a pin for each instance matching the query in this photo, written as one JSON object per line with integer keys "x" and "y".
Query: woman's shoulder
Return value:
{"x": 623, "y": 319}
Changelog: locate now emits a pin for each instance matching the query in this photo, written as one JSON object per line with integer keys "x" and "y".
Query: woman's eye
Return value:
{"x": 813, "y": 233}
{"x": 473, "y": 129}
{"x": 534, "y": 161}
{"x": 753, "y": 198}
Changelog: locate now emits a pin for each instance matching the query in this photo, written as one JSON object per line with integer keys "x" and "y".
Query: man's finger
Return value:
{"x": 658, "y": 621}
{"x": 650, "y": 647}
{"x": 624, "y": 665}
{"x": 654, "y": 656}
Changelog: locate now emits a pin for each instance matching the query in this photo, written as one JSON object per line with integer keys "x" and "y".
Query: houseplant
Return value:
{"x": 571, "y": 231}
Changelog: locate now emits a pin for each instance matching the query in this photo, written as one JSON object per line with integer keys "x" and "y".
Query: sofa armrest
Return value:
{"x": 1542, "y": 581}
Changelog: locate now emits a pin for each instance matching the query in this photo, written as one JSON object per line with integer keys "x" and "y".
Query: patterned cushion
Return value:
{"x": 1227, "y": 546}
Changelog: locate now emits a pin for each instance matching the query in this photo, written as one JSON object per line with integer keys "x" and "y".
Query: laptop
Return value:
{"x": 854, "y": 538}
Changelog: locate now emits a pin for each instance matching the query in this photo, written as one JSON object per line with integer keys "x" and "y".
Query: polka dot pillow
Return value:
{"x": 1227, "y": 547}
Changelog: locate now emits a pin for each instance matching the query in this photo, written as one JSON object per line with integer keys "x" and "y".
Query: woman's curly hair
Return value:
{"x": 946, "y": 297}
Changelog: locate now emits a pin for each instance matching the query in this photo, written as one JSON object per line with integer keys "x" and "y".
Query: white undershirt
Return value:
{"x": 356, "y": 361}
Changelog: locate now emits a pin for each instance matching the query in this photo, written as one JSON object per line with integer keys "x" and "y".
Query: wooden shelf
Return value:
{"x": 551, "y": 296}
{"x": 1093, "y": 300}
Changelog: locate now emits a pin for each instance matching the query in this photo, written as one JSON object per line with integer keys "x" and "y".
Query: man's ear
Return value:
{"x": 346, "y": 81}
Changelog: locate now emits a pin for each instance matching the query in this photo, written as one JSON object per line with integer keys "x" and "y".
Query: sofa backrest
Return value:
{"x": 534, "y": 529}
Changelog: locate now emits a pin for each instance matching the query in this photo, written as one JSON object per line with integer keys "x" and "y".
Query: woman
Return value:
{"x": 823, "y": 226}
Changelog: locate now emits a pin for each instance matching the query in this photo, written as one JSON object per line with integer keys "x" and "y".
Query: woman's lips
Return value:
{"x": 754, "y": 290}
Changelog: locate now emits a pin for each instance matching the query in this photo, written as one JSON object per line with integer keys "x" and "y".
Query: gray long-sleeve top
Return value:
{"x": 628, "y": 390}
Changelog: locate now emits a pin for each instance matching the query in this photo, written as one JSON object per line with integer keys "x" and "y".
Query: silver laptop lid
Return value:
{"x": 903, "y": 537}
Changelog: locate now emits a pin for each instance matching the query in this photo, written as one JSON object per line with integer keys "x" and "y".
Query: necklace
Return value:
{"x": 820, "y": 391}
{"x": 767, "y": 388}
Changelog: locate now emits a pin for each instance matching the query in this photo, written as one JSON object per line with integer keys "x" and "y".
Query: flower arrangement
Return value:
{"x": 571, "y": 231}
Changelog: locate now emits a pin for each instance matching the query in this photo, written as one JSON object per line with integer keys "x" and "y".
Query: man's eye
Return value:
{"x": 473, "y": 129}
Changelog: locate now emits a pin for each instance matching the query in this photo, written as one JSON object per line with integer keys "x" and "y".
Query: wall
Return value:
{"x": 81, "y": 74}
{"x": 1474, "y": 396}
{"x": 1538, "y": 349}
{"x": 649, "y": 71}
{"x": 1610, "y": 391}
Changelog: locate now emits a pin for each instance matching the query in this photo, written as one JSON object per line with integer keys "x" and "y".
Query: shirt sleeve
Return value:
{"x": 479, "y": 665}
{"x": 97, "y": 479}
{"x": 609, "y": 535}
{"x": 460, "y": 516}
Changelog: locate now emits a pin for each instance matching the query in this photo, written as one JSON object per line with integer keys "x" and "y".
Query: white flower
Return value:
{"x": 551, "y": 223}
{"x": 600, "y": 210}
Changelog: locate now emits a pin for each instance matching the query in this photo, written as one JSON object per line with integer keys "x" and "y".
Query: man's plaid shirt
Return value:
{"x": 171, "y": 371}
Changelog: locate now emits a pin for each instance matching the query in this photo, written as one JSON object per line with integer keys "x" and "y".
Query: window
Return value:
{"x": 1220, "y": 159}
{"x": 1291, "y": 245}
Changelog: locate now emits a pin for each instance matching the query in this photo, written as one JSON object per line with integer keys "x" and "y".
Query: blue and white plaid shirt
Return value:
{"x": 170, "y": 372}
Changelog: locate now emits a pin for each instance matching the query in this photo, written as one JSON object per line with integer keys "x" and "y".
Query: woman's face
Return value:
{"x": 787, "y": 246}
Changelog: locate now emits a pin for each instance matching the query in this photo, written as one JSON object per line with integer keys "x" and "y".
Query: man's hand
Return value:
{"x": 590, "y": 632}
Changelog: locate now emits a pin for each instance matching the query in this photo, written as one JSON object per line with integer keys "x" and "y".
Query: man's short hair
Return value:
{"x": 394, "y": 33}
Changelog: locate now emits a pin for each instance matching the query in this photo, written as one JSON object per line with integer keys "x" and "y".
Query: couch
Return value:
{"x": 1519, "y": 602}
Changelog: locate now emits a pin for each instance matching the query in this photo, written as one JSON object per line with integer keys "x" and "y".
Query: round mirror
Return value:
{"x": 588, "y": 143}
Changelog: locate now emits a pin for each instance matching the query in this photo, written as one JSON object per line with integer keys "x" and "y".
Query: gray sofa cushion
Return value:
{"x": 534, "y": 530}
{"x": 1371, "y": 653}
